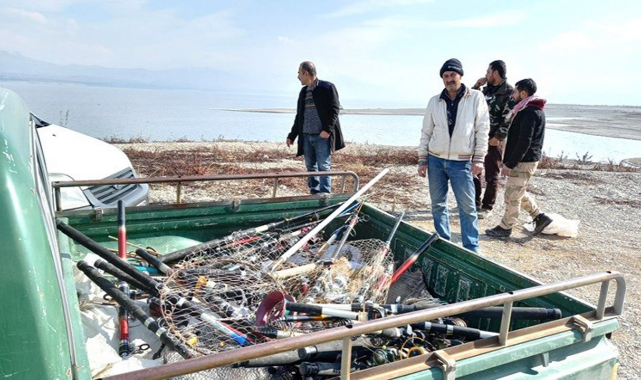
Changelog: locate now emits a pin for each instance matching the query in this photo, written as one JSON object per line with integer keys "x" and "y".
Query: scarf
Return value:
{"x": 520, "y": 105}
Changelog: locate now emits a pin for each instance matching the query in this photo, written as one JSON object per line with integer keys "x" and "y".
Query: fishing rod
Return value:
{"x": 154, "y": 261}
{"x": 322, "y": 310}
{"x": 302, "y": 269}
{"x": 326, "y": 221}
{"x": 119, "y": 274}
{"x": 351, "y": 223}
{"x": 124, "y": 349}
{"x": 255, "y": 240}
{"x": 412, "y": 259}
{"x": 127, "y": 303}
{"x": 154, "y": 286}
{"x": 379, "y": 260}
{"x": 107, "y": 255}
{"x": 248, "y": 233}
{"x": 487, "y": 312}
{"x": 336, "y": 232}
{"x": 330, "y": 352}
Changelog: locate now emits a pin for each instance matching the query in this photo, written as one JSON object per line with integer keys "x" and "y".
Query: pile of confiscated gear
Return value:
{"x": 271, "y": 282}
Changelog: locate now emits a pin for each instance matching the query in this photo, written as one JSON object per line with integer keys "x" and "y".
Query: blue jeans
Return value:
{"x": 318, "y": 157}
{"x": 439, "y": 172}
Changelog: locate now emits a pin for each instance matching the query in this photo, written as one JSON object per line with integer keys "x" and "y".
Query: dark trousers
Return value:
{"x": 492, "y": 170}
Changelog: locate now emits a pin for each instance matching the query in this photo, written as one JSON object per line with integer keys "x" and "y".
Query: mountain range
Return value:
{"x": 16, "y": 67}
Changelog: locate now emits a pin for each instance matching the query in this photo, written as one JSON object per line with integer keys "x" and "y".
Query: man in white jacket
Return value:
{"x": 453, "y": 145}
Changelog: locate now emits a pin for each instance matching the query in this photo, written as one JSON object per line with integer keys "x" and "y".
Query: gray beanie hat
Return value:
{"x": 452, "y": 64}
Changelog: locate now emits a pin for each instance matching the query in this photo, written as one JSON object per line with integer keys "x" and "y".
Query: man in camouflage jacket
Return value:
{"x": 498, "y": 94}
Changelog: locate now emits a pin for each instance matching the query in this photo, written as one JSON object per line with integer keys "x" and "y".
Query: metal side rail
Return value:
{"x": 345, "y": 332}
{"x": 179, "y": 180}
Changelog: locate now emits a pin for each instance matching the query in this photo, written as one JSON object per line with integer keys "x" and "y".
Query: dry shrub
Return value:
{"x": 118, "y": 140}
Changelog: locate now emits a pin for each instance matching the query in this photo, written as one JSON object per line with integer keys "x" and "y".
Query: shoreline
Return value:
{"x": 601, "y": 121}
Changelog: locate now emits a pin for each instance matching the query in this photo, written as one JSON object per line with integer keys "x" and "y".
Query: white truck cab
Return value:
{"x": 73, "y": 156}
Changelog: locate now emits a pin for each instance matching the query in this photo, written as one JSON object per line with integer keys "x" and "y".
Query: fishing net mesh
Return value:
{"x": 228, "y": 284}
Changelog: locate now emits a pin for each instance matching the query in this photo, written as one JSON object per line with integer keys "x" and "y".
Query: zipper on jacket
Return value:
{"x": 449, "y": 145}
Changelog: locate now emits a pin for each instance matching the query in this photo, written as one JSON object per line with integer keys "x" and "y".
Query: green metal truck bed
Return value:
{"x": 450, "y": 272}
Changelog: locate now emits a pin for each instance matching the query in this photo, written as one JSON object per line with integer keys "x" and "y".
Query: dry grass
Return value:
{"x": 366, "y": 160}
{"x": 584, "y": 163}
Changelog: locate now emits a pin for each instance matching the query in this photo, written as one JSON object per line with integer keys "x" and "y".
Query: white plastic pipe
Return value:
{"x": 327, "y": 220}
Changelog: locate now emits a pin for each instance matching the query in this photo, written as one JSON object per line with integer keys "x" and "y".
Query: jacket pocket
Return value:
{"x": 463, "y": 139}
{"x": 439, "y": 140}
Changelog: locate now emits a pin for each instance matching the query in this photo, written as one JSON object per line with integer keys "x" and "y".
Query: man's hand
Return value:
{"x": 422, "y": 170}
{"x": 289, "y": 142}
{"x": 505, "y": 171}
{"x": 494, "y": 141}
{"x": 324, "y": 135}
{"x": 480, "y": 82}
{"x": 477, "y": 168}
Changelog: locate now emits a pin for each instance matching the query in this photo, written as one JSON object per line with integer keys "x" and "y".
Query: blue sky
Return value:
{"x": 379, "y": 52}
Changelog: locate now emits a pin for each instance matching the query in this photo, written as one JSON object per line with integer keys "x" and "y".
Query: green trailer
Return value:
{"x": 43, "y": 337}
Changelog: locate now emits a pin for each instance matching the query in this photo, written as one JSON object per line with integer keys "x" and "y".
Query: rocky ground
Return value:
{"x": 607, "y": 204}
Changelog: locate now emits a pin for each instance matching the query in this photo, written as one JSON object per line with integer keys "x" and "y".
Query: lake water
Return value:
{"x": 160, "y": 115}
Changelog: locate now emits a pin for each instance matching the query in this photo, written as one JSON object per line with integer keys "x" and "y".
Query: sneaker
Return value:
{"x": 498, "y": 232}
{"x": 541, "y": 221}
{"x": 483, "y": 213}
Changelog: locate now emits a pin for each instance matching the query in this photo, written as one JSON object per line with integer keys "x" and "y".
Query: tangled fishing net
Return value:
{"x": 229, "y": 285}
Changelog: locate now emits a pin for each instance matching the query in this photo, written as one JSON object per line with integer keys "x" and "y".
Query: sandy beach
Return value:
{"x": 606, "y": 201}
{"x": 619, "y": 122}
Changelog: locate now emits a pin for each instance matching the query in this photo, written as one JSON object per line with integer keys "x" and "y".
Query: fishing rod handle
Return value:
{"x": 412, "y": 259}
{"x": 451, "y": 330}
{"x": 120, "y": 275}
{"x": 538, "y": 313}
{"x": 154, "y": 261}
{"x": 127, "y": 303}
{"x": 107, "y": 255}
{"x": 122, "y": 231}
{"x": 318, "y": 310}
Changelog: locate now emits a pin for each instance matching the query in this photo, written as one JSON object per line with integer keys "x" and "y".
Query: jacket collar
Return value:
{"x": 313, "y": 85}
{"x": 501, "y": 89}
{"x": 462, "y": 92}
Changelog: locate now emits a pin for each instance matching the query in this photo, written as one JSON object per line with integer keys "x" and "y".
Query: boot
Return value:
{"x": 498, "y": 232}
{"x": 541, "y": 222}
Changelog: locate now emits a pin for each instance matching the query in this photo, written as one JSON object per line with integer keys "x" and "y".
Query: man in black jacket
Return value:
{"x": 522, "y": 155}
{"x": 498, "y": 94}
{"x": 317, "y": 126}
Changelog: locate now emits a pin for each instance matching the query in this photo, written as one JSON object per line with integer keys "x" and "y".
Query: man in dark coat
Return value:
{"x": 317, "y": 126}
{"x": 522, "y": 154}
{"x": 498, "y": 94}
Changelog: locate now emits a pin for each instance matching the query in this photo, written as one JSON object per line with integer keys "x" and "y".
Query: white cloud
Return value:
{"x": 133, "y": 37}
{"x": 285, "y": 39}
{"x": 23, "y": 15}
{"x": 371, "y": 6}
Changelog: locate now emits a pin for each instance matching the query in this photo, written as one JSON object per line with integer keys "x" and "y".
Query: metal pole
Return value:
{"x": 346, "y": 359}
{"x": 600, "y": 309}
{"x": 234, "y": 356}
{"x": 505, "y": 323}
{"x": 58, "y": 199}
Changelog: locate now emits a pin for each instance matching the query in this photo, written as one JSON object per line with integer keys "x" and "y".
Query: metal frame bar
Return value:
{"x": 179, "y": 180}
{"x": 340, "y": 333}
